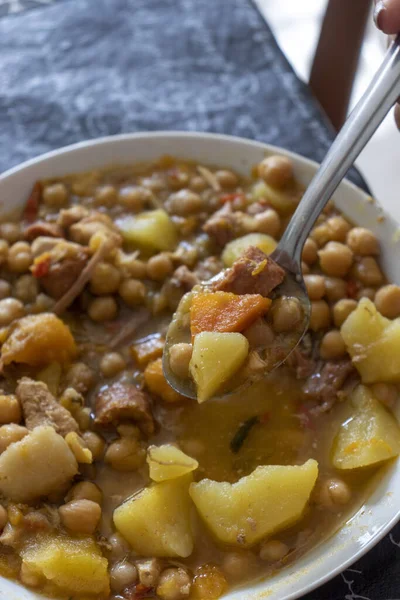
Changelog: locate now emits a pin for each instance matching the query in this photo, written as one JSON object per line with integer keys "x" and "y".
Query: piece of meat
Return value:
{"x": 39, "y": 407}
{"x": 253, "y": 273}
{"x": 69, "y": 216}
{"x": 124, "y": 402}
{"x": 325, "y": 384}
{"x": 42, "y": 228}
{"x": 82, "y": 279}
{"x": 225, "y": 224}
{"x": 61, "y": 275}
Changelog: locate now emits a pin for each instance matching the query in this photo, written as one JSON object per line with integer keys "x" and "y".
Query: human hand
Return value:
{"x": 387, "y": 16}
{"x": 387, "y": 19}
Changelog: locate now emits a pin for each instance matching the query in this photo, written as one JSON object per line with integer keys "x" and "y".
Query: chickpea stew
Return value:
{"x": 114, "y": 486}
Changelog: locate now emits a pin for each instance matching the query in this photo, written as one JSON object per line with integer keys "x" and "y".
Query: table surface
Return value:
{"x": 78, "y": 69}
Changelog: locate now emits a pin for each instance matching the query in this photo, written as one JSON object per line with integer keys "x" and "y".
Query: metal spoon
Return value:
{"x": 381, "y": 94}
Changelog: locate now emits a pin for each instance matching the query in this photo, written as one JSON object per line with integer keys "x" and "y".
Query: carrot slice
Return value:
{"x": 225, "y": 311}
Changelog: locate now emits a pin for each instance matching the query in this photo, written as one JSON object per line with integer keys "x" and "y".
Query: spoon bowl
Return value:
{"x": 260, "y": 362}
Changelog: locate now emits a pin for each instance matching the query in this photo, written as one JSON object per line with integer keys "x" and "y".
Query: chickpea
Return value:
{"x": 320, "y": 234}
{"x": 333, "y": 493}
{"x": 104, "y": 308}
{"x": 122, "y": 575}
{"x": 174, "y": 584}
{"x": 276, "y": 171}
{"x": 134, "y": 197}
{"x": 119, "y": 548}
{"x": 362, "y": 241}
{"x": 342, "y": 309}
{"x": 236, "y": 565}
{"x": 26, "y": 288}
{"x": 386, "y": 393}
{"x": 19, "y": 257}
{"x": 5, "y": 289}
{"x": 105, "y": 279}
{"x": 209, "y": 582}
{"x": 3, "y": 252}
{"x": 198, "y": 183}
{"x": 273, "y": 550}
{"x": 332, "y": 345}
{"x": 387, "y": 301}
{"x": 305, "y": 269}
{"x": 43, "y": 303}
{"x": 149, "y": 571}
{"x": 227, "y": 179}
{"x": 3, "y": 517}
{"x": 95, "y": 443}
{"x": 335, "y": 288}
{"x": 259, "y": 334}
{"x": 320, "y": 315}
{"x": 368, "y": 272}
{"x": 10, "y": 309}
{"x": 335, "y": 259}
{"x": 268, "y": 222}
{"x": 106, "y": 195}
{"x": 184, "y": 203}
{"x": 315, "y": 285}
{"x": 310, "y": 251}
{"x": 159, "y": 266}
{"x": 86, "y": 490}
{"x": 178, "y": 179}
{"x": 286, "y": 314}
{"x": 132, "y": 292}
{"x": 10, "y": 409}
{"x": 10, "y": 232}
{"x": 112, "y": 363}
{"x": 338, "y": 228}
{"x": 80, "y": 516}
{"x": 55, "y": 195}
{"x": 179, "y": 359}
{"x": 125, "y": 454}
{"x": 80, "y": 377}
{"x": 11, "y": 433}
{"x": 130, "y": 266}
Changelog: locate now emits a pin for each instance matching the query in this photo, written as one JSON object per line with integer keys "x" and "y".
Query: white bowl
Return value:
{"x": 382, "y": 509}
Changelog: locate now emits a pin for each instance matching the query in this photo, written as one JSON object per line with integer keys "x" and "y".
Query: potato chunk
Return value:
{"x": 266, "y": 501}
{"x": 216, "y": 357}
{"x": 234, "y": 249}
{"x": 373, "y": 342}
{"x": 38, "y": 340}
{"x": 169, "y": 462}
{"x": 156, "y": 521}
{"x": 72, "y": 565}
{"x": 370, "y": 436}
{"x": 37, "y": 465}
{"x": 152, "y": 230}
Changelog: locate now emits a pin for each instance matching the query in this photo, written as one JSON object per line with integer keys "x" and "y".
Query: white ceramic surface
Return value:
{"x": 382, "y": 510}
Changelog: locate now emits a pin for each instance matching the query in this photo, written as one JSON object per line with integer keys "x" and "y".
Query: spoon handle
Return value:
{"x": 381, "y": 94}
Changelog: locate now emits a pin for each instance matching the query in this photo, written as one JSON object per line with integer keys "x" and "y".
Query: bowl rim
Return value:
{"x": 266, "y": 148}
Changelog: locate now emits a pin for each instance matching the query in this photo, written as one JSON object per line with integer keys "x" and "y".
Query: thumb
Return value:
{"x": 387, "y": 16}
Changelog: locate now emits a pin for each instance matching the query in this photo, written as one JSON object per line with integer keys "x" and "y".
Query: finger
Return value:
{"x": 397, "y": 116}
{"x": 387, "y": 15}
